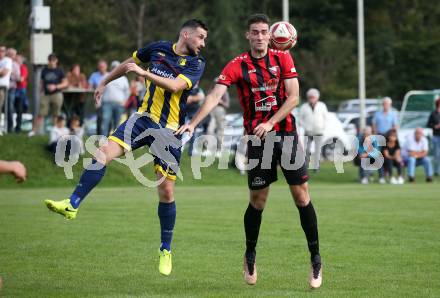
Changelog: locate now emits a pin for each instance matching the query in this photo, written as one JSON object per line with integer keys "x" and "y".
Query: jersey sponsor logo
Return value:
{"x": 162, "y": 73}
{"x": 182, "y": 61}
{"x": 265, "y": 104}
{"x": 270, "y": 85}
{"x": 258, "y": 181}
{"x": 161, "y": 54}
{"x": 274, "y": 70}
{"x": 252, "y": 70}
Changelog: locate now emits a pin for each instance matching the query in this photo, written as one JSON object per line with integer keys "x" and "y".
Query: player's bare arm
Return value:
{"x": 211, "y": 101}
{"x": 292, "y": 90}
{"x": 119, "y": 71}
{"x": 171, "y": 85}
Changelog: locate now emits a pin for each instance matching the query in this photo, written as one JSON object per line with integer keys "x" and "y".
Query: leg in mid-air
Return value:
{"x": 252, "y": 222}
{"x": 167, "y": 216}
{"x": 309, "y": 225}
{"x": 89, "y": 179}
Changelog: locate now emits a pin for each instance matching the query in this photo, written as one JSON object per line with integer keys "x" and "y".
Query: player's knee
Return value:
{"x": 300, "y": 194}
{"x": 166, "y": 192}
{"x": 103, "y": 155}
{"x": 258, "y": 200}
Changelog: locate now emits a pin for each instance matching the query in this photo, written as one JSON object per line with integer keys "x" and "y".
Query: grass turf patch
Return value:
{"x": 375, "y": 241}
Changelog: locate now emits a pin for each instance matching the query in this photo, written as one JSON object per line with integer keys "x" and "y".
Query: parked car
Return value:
{"x": 334, "y": 131}
{"x": 416, "y": 107}
{"x": 354, "y": 105}
{"x": 351, "y": 122}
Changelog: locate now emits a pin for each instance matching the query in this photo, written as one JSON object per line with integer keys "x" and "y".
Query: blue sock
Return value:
{"x": 89, "y": 179}
{"x": 167, "y": 217}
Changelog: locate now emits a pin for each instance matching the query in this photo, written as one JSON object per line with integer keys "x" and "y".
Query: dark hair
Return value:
{"x": 257, "y": 18}
{"x": 74, "y": 118}
{"x": 59, "y": 119}
{"x": 52, "y": 56}
{"x": 194, "y": 24}
{"x": 74, "y": 65}
{"x": 437, "y": 102}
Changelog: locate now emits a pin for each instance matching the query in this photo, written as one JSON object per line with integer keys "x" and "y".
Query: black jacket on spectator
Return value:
{"x": 433, "y": 120}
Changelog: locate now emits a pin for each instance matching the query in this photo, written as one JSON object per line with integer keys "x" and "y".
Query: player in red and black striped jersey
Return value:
{"x": 261, "y": 87}
{"x": 268, "y": 89}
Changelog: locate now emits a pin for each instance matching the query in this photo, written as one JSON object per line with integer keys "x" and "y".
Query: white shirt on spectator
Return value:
{"x": 412, "y": 145}
{"x": 313, "y": 120}
{"x": 117, "y": 91}
{"x": 56, "y": 133}
{"x": 6, "y": 62}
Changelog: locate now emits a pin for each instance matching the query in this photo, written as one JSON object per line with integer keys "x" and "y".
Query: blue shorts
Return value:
{"x": 140, "y": 130}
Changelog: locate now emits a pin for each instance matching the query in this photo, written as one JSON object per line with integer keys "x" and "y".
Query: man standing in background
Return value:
{"x": 53, "y": 82}
{"x": 94, "y": 80}
{"x": 115, "y": 95}
{"x": 21, "y": 101}
{"x": 217, "y": 123}
{"x": 313, "y": 116}
{"x": 434, "y": 124}
{"x": 5, "y": 75}
{"x": 13, "y": 81}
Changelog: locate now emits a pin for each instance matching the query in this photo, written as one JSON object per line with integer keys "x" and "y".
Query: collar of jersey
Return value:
{"x": 174, "y": 50}
{"x": 252, "y": 57}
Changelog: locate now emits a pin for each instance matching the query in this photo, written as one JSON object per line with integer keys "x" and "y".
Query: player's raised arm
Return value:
{"x": 292, "y": 90}
{"x": 117, "y": 72}
{"x": 211, "y": 101}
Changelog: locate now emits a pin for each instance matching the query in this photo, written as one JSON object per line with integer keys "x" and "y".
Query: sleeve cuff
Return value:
{"x": 289, "y": 76}
{"x": 223, "y": 83}
{"x": 135, "y": 58}
{"x": 188, "y": 81}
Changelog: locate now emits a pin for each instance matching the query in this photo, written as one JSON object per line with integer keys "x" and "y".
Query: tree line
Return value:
{"x": 402, "y": 37}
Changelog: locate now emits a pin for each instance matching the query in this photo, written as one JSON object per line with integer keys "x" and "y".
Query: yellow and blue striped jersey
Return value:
{"x": 164, "y": 107}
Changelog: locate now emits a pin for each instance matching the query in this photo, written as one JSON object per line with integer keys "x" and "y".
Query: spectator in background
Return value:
{"x": 392, "y": 157}
{"x": 77, "y": 80}
{"x": 13, "y": 81}
{"x": 313, "y": 117}
{"x": 434, "y": 124}
{"x": 94, "y": 80}
{"x": 217, "y": 123}
{"x": 53, "y": 81}
{"x": 114, "y": 97}
{"x": 416, "y": 147}
{"x": 368, "y": 148}
{"x": 21, "y": 101}
{"x": 15, "y": 168}
{"x": 75, "y": 129}
{"x": 195, "y": 96}
{"x": 58, "y": 131}
{"x": 382, "y": 122}
{"x": 5, "y": 75}
{"x": 386, "y": 119}
{"x": 137, "y": 92}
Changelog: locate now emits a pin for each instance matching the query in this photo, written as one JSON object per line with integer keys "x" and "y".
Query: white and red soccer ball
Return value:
{"x": 283, "y": 36}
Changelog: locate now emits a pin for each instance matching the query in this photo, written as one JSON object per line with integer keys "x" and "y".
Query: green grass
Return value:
{"x": 376, "y": 241}
{"x": 43, "y": 172}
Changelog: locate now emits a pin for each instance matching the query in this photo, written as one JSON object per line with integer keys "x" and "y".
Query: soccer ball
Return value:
{"x": 282, "y": 36}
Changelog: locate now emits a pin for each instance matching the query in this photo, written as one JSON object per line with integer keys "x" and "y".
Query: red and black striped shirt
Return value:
{"x": 260, "y": 86}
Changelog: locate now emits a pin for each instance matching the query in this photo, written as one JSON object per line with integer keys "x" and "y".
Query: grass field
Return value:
{"x": 376, "y": 241}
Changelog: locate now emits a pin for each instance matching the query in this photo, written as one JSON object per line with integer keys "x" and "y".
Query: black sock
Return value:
{"x": 252, "y": 222}
{"x": 309, "y": 224}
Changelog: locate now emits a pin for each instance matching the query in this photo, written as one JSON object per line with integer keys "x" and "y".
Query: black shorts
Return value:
{"x": 280, "y": 148}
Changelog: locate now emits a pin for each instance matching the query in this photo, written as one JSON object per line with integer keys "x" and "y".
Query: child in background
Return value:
{"x": 78, "y": 131}
{"x": 56, "y": 133}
